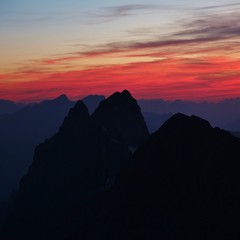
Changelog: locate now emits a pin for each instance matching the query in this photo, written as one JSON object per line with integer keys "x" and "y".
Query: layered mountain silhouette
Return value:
{"x": 89, "y": 182}
{"x": 182, "y": 183}
{"x": 79, "y": 162}
{"x": 22, "y": 128}
{"x": 120, "y": 120}
{"x": 224, "y": 114}
{"x": 21, "y": 132}
{"x": 9, "y": 107}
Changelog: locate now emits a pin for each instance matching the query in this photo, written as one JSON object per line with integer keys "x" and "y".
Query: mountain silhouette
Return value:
{"x": 182, "y": 183}
{"x": 221, "y": 114}
{"x": 9, "y": 107}
{"x": 77, "y": 164}
{"x": 21, "y": 132}
{"x": 121, "y": 123}
{"x": 22, "y": 128}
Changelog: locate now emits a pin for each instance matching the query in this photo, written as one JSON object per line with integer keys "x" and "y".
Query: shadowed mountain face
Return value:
{"x": 78, "y": 163}
{"x": 190, "y": 174}
{"x": 21, "y": 132}
{"x": 120, "y": 123}
{"x": 182, "y": 183}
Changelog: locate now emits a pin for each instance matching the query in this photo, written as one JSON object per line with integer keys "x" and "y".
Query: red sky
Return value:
{"x": 197, "y": 58}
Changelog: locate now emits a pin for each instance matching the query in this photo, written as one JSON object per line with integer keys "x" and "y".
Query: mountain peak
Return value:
{"x": 122, "y": 117}
{"x": 181, "y": 122}
{"x": 78, "y": 163}
{"x": 126, "y": 92}
{"x": 93, "y": 96}
{"x": 80, "y": 110}
{"x": 189, "y": 172}
{"x": 62, "y": 98}
{"x": 77, "y": 115}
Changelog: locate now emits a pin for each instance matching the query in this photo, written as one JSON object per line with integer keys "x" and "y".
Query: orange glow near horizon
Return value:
{"x": 209, "y": 79}
{"x": 186, "y": 56}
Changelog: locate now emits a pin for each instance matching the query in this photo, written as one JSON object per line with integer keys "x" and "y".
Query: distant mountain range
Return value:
{"x": 9, "y": 107}
{"x": 154, "y": 121}
{"x": 21, "y": 131}
{"x": 80, "y": 161}
{"x": 224, "y": 114}
{"x": 102, "y": 176}
{"x": 22, "y": 127}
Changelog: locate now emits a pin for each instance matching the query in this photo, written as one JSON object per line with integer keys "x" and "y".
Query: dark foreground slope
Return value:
{"x": 74, "y": 166}
{"x": 21, "y": 132}
{"x": 183, "y": 183}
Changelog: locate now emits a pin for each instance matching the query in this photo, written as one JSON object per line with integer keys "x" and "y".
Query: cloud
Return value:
{"x": 112, "y": 13}
{"x": 170, "y": 79}
{"x": 220, "y": 6}
{"x": 201, "y": 30}
{"x": 200, "y": 60}
{"x": 208, "y": 34}
{"x": 218, "y": 25}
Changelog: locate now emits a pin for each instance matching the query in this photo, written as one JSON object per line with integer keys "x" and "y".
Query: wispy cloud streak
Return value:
{"x": 115, "y": 12}
{"x": 220, "y": 6}
{"x": 200, "y": 60}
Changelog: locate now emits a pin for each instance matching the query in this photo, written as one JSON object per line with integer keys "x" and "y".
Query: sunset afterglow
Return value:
{"x": 173, "y": 50}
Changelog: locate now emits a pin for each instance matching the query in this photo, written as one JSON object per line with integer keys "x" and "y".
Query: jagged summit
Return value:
{"x": 122, "y": 119}
{"x": 77, "y": 163}
{"x": 124, "y": 94}
{"x": 181, "y": 183}
{"x": 125, "y": 91}
{"x": 119, "y": 98}
{"x": 78, "y": 113}
{"x": 62, "y": 98}
{"x": 186, "y": 177}
{"x": 77, "y": 116}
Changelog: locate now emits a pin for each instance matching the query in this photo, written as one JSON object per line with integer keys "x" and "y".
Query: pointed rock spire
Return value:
{"x": 121, "y": 118}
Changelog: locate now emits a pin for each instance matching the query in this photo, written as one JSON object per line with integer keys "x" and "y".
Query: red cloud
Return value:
{"x": 200, "y": 61}
{"x": 169, "y": 79}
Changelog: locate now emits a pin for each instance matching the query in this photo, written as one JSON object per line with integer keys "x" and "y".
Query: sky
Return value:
{"x": 175, "y": 49}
